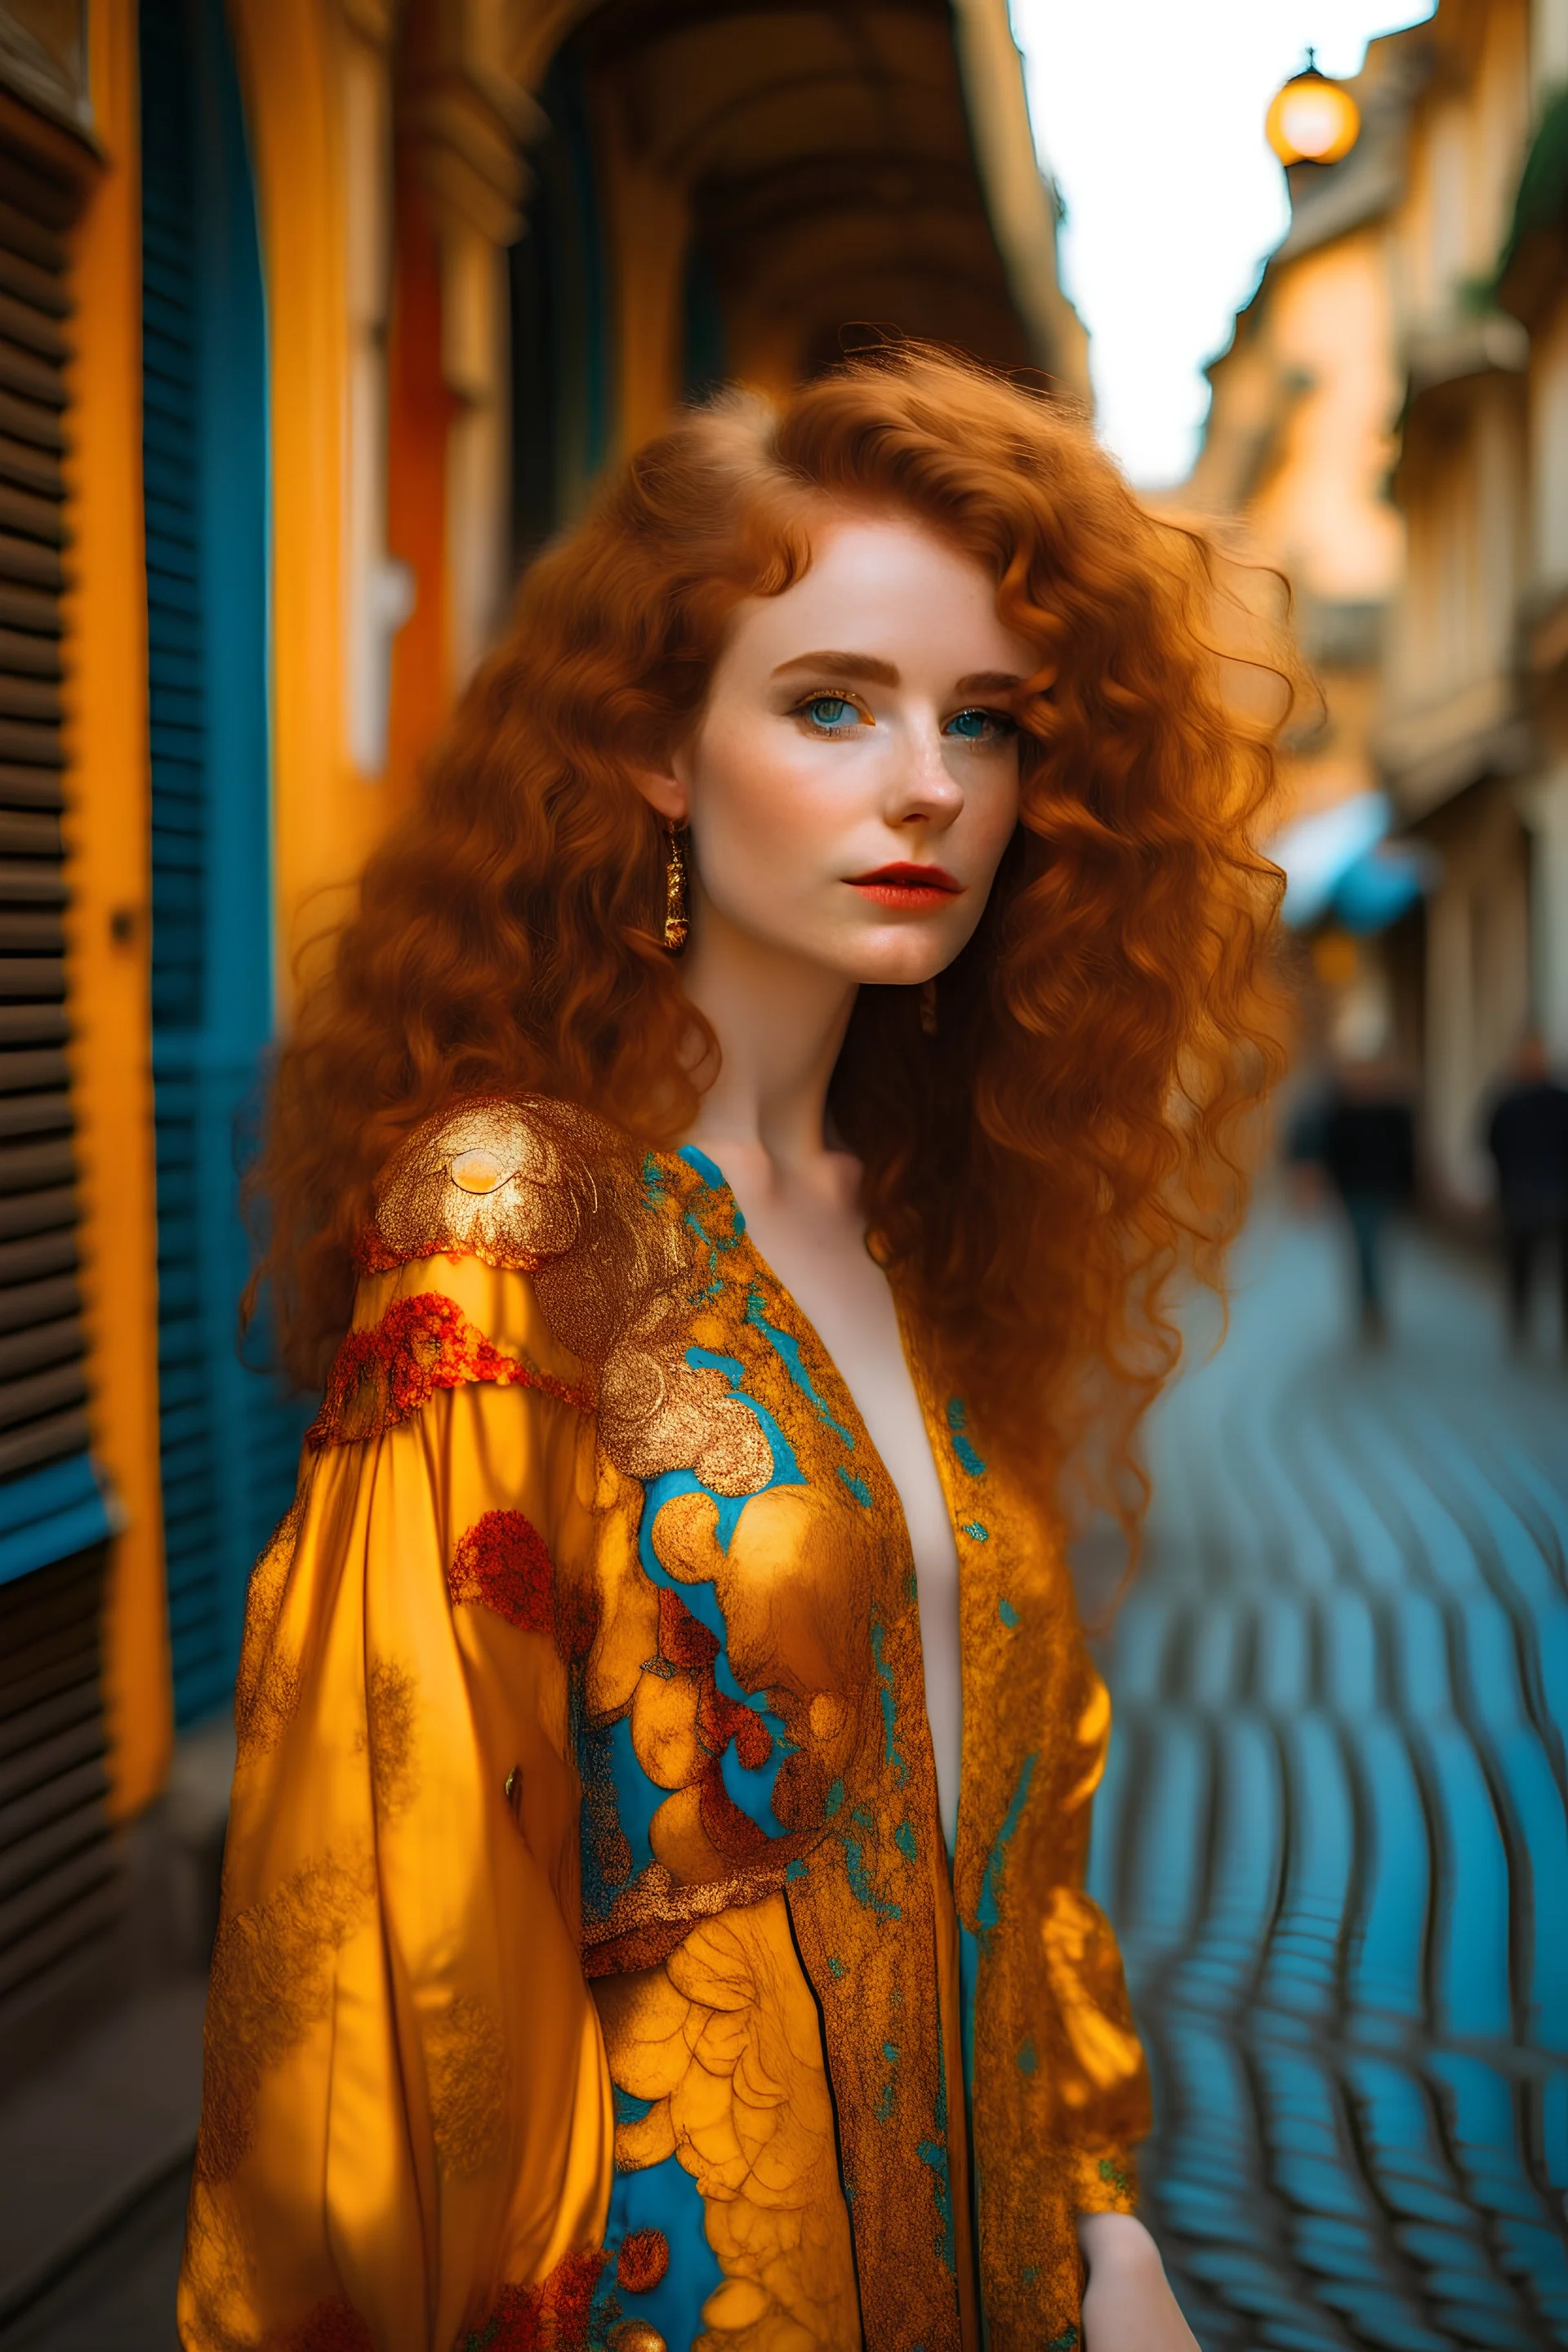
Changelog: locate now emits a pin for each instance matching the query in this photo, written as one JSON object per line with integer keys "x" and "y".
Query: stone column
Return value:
{"x": 468, "y": 116}
{"x": 377, "y": 590}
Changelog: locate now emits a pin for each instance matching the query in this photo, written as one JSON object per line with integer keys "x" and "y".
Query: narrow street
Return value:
{"x": 1333, "y": 1832}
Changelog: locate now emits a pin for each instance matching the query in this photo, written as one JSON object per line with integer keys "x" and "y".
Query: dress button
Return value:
{"x": 477, "y": 1172}
{"x": 635, "y": 2336}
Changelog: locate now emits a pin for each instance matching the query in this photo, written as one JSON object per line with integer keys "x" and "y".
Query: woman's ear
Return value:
{"x": 665, "y": 792}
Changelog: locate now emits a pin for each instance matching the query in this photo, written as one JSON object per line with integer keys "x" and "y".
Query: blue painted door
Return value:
{"x": 229, "y": 1437}
{"x": 563, "y": 344}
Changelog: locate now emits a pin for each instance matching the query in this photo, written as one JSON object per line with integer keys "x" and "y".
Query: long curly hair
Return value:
{"x": 1038, "y": 1174}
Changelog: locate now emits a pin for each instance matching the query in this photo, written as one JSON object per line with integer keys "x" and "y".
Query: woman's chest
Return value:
{"x": 815, "y": 1269}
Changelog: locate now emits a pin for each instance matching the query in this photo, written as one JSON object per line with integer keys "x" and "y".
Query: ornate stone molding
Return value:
{"x": 470, "y": 112}
{"x": 43, "y": 58}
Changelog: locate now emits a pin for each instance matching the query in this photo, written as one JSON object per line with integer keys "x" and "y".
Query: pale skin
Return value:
{"x": 855, "y": 723}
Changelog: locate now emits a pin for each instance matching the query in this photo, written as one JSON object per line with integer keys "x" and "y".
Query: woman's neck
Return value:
{"x": 780, "y": 1021}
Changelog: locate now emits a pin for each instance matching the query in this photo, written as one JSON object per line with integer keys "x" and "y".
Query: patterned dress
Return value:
{"x": 591, "y": 1972}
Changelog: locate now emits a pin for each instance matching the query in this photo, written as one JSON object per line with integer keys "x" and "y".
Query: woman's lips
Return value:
{"x": 916, "y": 888}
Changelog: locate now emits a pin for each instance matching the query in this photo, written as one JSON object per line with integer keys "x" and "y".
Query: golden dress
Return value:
{"x": 591, "y": 1972}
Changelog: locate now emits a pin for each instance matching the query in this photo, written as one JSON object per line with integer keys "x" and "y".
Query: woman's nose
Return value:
{"x": 926, "y": 787}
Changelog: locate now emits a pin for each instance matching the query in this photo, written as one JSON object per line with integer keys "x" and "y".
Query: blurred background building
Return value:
{"x": 1390, "y": 422}
{"x": 316, "y": 316}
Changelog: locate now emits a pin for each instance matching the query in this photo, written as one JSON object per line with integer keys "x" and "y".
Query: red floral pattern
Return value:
{"x": 686, "y": 1646}
{"x": 684, "y": 1641}
{"x": 550, "y": 2317}
{"x": 334, "y": 2326}
{"x": 385, "y": 1375}
{"x": 372, "y": 1256}
{"x": 502, "y": 1565}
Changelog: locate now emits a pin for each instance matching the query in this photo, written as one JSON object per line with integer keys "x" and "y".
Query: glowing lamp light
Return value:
{"x": 1313, "y": 119}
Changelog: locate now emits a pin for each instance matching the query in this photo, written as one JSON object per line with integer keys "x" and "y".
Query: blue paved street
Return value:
{"x": 1334, "y": 1829}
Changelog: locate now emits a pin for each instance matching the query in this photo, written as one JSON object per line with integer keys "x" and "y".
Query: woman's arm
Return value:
{"x": 1128, "y": 2305}
{"x": 406, "y": 2123}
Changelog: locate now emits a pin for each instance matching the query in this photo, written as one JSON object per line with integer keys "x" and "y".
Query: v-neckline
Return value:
{"x": 845, "y": 1394}
{"x": 710, "y": 1174}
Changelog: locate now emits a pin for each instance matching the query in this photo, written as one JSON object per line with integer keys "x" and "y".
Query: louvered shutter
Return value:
{"x": 176, "y": 708}
{"x": 229, "y": 1443}
{"x": 59, "y": 1881}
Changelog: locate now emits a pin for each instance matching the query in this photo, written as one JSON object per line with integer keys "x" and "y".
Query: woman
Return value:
{"x": 608, "y": 1957}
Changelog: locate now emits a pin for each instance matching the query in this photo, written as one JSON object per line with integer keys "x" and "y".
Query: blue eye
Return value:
{"x": 830, "y": 711}
{"x": 979, "y": 726}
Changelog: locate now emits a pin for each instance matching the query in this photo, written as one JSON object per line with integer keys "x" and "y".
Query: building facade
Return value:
{"x": 316, "y": 317}
{"x": 1300, "y": 437}
{"x": 1454, "y": 741}
{"x": 1532, "y": 287}
{"x": 1392, "y": 420}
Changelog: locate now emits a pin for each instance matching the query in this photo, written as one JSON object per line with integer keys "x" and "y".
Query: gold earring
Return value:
{"x": 675, "y": 921}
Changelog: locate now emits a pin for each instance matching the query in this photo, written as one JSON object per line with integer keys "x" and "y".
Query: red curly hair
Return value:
{"x": 1038, "y": 1173}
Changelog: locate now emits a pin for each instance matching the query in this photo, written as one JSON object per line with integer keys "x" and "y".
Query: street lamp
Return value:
{"x": 1313, "y": 120}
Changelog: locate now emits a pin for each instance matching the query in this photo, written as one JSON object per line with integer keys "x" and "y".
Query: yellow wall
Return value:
{"x": 292, "y": 58}
{"x": 648, "y": 221}
{"x": 108, "y": 848}
{"x": 1324, "y": 511}
{"x": 1299, "y": 444}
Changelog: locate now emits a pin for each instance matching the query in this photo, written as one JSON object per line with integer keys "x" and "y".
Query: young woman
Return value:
{"x": 746, "y": 1135}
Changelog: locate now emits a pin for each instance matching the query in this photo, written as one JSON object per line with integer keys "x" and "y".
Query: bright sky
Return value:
{"x": 1148, "y": 115}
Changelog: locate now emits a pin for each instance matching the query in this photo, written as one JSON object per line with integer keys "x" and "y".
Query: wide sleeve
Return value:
{"x": 1098, "y": 2075}
{"x": 406, "y": 2128}
{"x": 1060, "y": 2092}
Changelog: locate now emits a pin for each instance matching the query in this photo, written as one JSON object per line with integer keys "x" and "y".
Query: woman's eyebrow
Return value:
{"x": 877, "y": 672}
{"x": 866, "y": 665}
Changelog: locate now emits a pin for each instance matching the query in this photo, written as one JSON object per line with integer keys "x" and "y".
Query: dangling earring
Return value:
{"x": 675, "y": 922}
{"x": 928, "y": 1007}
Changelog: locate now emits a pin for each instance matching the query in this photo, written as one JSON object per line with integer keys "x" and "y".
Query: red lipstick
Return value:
{"x": 916, "y": 888}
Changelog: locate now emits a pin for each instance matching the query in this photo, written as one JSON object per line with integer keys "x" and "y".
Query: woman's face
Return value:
{"x": 853, "y": 780}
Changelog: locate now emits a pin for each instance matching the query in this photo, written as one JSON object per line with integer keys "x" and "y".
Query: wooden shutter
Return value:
{"x": 171, "y": 445}
{"x": 229, "y": 1443}
{"x": 59, "y": 1883}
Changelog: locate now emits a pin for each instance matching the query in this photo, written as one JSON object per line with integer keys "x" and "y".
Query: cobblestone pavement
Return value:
{"x": 1332, "y": 1836}
{"x": 1333, "y": 1832}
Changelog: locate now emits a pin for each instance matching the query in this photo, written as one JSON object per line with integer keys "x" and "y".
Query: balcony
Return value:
{"x": 1431, "y": 750}
{"x": 1458, "y": 347}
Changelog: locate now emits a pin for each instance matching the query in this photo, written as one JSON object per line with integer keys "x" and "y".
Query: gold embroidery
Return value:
{"x": 642, "y": 2262}
{"x": 746, "y": 1913}
{"x": 1102, "y": 2184}
{"x": 658, "y": 1909}
{"x": 392, "y": 1736}
{"x": 386, "y": 1372}
{"x": 271, "y": 1980}
{"x": 267, "y": 1686}
{"x": 216, "y": 2309}
{"x": 1059, "y": 2083}
{"x": 1086, "y": 1978}
{"x": 724, "y": 2041}
{"x": 612, "y": 1275}
{"x": 815, "y": 1592}
{"x": 471, "y": 2086}
{"x": 524, "y": 1185}
{"x": 264, "y": 1703}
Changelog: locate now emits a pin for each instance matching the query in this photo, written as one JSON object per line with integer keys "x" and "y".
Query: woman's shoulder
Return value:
{"x": 515, "y": 1180}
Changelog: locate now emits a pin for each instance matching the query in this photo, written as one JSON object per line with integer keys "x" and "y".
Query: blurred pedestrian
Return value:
{"x": 1527, "y": 1136}
{"x": 1369, "y": 1152}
